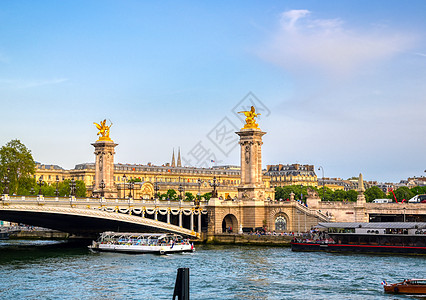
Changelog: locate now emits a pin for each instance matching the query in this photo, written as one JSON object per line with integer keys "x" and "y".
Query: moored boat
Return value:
{"x": 391, "y": 238}
{"x": 160, "y": 243}
{"x": 408, "y": 286}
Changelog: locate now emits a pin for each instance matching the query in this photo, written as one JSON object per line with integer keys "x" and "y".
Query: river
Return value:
{"x": 58, "y": 270}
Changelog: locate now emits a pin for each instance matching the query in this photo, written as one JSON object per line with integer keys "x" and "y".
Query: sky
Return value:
{"x": 339, "y": 84}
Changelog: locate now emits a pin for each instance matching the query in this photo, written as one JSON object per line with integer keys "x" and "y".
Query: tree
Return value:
{"x": 189, "y": 196}
{"x": 17, "y": 163}
{"x": 418, "y": 190}
{"x": 339, "y": 195}
{"x": 171, "y": 194}
{"x": 352, "y": 195}
{"x": 374, "y": 193}
{"x": 403, "y": 192}
{"x": 207, "y": 196}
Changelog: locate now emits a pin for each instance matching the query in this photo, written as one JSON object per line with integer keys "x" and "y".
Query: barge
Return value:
{"x": 390, "y": 238}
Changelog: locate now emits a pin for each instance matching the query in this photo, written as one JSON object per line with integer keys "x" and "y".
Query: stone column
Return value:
{"x": 180, "y": 218}
{"x": 104, "y": 168}
{"x": 191, "y": 224}
{"x": 360, "y": 205}
{"x": 199, "y": 222}
{"x": 168, "y": 216}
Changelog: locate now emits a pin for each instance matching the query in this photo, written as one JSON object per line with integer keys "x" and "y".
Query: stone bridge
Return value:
{"x": 89, "y": 216}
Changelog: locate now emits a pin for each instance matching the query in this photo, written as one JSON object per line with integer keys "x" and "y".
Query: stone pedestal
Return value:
{"x": 104, "y": 168}
{"x": 252, "y": 187}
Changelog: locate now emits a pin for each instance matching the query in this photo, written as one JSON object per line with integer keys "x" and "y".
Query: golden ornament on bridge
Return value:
{"x": 250, "y": 115}
{"x": 103, "y": 130}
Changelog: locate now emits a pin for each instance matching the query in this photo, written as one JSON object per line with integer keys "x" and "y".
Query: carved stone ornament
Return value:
{"x": 247, "y": 154}
{"x": 101, "y": 162}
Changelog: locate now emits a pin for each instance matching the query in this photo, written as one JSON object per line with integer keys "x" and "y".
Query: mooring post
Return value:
{"x": 182, "y": 284}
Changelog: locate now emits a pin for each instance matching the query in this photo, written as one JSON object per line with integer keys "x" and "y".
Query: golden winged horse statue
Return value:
{"x": 103, "y": 130}
{"x": 250, "y": 115}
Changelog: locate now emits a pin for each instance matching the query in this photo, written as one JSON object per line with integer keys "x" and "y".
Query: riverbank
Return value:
{"x": 248, "y": 239}
{"x": 39, "y": 235}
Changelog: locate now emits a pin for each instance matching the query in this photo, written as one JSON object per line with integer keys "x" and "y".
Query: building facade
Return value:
{"x": 294, "y": 174}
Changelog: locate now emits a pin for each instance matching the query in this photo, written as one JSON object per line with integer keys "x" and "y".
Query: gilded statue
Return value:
{"x": 250, "y": 121}
{"x": 103, "y": 130}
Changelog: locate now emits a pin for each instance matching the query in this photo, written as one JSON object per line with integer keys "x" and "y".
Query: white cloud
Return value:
{"x": 304, "y": 43}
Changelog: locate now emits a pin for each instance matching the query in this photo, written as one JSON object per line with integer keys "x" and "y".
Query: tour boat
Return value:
{"x": 160, "y": 243}
{"x": 392, "y": 238}
{"x": 408, "y": 286}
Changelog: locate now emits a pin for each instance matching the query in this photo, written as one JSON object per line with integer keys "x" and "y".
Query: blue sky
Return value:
{"x": 339, "y": 84}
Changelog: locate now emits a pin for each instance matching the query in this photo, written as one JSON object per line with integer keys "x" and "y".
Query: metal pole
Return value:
{"x": 182, "y": 284}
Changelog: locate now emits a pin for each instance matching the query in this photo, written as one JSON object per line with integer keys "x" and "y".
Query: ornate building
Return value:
{"x": 295, "y": 174}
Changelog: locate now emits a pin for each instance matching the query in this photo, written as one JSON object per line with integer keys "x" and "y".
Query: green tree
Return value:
{"x": 17, "y": 163}
{"x": 352, "y": 195}
{"x": 403, "y": 192}
{"x": 64, "y": 189}
{"x": 418, "y": 190}
{"x": 374, "y": 193}
{"x": 339, "y": 195}
{"x": 171, "y": 194}
{"x": 207, "y": 196}
{"x": 189, "y": 196}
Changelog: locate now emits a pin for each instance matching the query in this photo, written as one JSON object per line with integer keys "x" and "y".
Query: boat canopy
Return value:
{"x": 374, "y": 225}
{"x": 135, "y": 235}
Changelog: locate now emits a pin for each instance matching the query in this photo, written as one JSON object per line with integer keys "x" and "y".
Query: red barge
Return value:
{"x": 391, "y": 238}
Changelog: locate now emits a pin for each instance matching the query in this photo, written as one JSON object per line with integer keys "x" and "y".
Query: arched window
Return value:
{"x": 280, "y": 223}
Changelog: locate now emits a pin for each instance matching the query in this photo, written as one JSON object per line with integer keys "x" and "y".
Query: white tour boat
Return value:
{"x": 161, "y": 243}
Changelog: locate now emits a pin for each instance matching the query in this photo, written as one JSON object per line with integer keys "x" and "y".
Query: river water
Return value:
{"x": 58, "y": 270}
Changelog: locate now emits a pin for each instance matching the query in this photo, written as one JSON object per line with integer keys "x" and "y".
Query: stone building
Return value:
{"x": 294, "y": 174}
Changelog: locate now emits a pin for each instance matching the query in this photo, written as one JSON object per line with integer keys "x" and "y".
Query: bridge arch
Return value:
{"x": 230, "y": 224}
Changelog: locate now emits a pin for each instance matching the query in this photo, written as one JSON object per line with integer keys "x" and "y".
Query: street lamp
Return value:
{"x": 57, "y": 186}
{"x": 323, "y": 183}
{"x": 156, "y": 188}
{"x": 72, "y": 187}
{"x": 214, "y": 184}
{"x": 131, "y": 188}
{"x": 200, "y": 182}
{"x": 40, "y": 183}
{"x": 6, "y": 183}
{"x": 124, "y": 185}
{"x": 181, "y": 190}
{"x": 102, "y": 186}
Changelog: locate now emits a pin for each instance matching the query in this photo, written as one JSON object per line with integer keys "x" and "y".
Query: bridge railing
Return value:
{"x": 77, "y": 202}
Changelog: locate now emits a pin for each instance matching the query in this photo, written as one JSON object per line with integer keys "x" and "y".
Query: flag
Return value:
{"x": 384, "y": 282}
{"x": 212, "y": 161}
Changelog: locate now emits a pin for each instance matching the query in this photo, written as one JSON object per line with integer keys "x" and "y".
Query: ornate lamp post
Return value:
{"x": 214, "y": 184}
{"x": 181, "y": 190}
{"x": 156, "y": 188}
{"x": 6, "y": 182}
{"x": 131, "y": 188}
{"x": 323, "y": 183}
{"x": 200, "y": 182}
{"x": 72, "y": 187}
{"x": 124, "y": 185}
{"x": 102, "y": 186}
{"x": 40, "y": 183}
{"x": 57, "y": 186}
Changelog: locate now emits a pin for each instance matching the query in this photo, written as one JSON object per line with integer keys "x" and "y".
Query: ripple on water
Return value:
{"x": 217, "y": 272}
